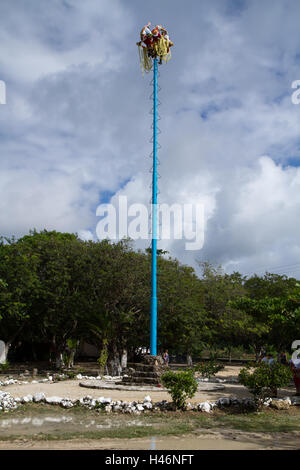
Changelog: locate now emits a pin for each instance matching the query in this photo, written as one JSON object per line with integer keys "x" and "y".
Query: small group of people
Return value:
{"x": 268, "y": 359}
{"x": 283, "y": 359}
{"x": 150, "y": 39}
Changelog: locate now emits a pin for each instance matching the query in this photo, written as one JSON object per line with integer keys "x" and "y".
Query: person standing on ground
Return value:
{"x": 283, "y": 359}
{"x": 295, "y": 366}
{"x": 271, "y": 360}
{"x": 166, "y": 358}
{"x": 265, "y": 359}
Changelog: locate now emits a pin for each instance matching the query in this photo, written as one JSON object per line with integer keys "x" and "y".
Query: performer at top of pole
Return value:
{"x": 154, "y": 44}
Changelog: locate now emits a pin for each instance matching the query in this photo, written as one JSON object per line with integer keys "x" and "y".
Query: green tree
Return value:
{"x": 270, "y": 285}
{"x": 226, "y": 324}
{"x": 284, "y": 317}
{"x": 18, "y": 285}
{"x": 44, "y": 273}
{"x": 182, "y": 323}
{"x": 118, "y": 299}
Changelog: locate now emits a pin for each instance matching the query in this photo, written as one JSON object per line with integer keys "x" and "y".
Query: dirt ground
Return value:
{"x": 204, "y": 440}
{"x": 71, "y": 389}
{"x": 210, "y": 440}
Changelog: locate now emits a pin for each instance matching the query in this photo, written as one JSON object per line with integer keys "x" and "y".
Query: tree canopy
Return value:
{"x": 55, "y": 287}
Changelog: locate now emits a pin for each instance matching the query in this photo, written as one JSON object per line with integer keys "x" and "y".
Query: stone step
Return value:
{"x": 142, "y": 366}
{"x": 145, "y": 374}
{"x": 140, "y": 380}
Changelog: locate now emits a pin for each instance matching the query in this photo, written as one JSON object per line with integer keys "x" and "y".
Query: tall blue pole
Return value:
{"x": 153, "y": 317}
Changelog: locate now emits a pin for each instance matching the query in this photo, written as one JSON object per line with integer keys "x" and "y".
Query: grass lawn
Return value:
{"x": 47, "y": 422}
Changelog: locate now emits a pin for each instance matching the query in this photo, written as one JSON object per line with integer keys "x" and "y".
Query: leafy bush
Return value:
{"x": 264, "y": 380}
{"x": 65, "y": 359}
{"x": 4, "y": 366}
{"x": 72, "y": 343}
{"x": 99, "y": 406}
{"x": 180, "y": 385}
{"x": 208, "y": 369}
{"x": 70, "y": 374}
{"x": 102, "y": 359}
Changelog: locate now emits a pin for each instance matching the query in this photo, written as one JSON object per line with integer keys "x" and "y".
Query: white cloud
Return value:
{"x": 77, "y": 120}
{"x": 86, "y": 235}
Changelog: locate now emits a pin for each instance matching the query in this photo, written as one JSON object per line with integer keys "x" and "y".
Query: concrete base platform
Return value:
{"x": 101, "y": 385}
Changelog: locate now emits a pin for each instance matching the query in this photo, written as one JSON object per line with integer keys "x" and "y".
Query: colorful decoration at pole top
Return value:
{"x": 154, "y": 44}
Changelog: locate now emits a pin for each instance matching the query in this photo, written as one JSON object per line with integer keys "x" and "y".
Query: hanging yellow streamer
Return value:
{"x": 160, "y": 49}
{"x": 145, "y": 60}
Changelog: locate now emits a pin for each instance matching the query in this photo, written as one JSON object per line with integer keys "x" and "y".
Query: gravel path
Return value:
{"x": 72, "y": 389}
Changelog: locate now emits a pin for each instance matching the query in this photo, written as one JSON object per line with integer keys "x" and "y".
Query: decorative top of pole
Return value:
{"x": 154, "y": 44}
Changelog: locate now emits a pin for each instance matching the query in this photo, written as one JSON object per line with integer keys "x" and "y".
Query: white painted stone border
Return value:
{"x": 7, "y": 402}
{"x": 4, "y": 383}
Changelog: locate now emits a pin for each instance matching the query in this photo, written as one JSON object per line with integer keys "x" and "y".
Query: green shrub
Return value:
{"x": 70, "y": 374}
{"x": 72, "y": 343}
{"x": 208, "y": 369}
{"x": 264, "y": 380}
{"x": 4, "y": 366}
{"x": 65, "y": 357}
{"x": 102, "y": 359}
{"x": 180, "y": 385}
{"x": 99, "y": 407}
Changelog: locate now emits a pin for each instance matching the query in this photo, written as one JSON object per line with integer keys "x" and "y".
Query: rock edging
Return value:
{"x": 8, "y": 402}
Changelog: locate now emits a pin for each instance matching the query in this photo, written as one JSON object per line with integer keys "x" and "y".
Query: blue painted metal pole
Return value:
{"x": 153, "y": 318}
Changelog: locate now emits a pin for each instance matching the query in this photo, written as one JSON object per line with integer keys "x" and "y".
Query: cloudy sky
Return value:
{"x": 75, "y": 130}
